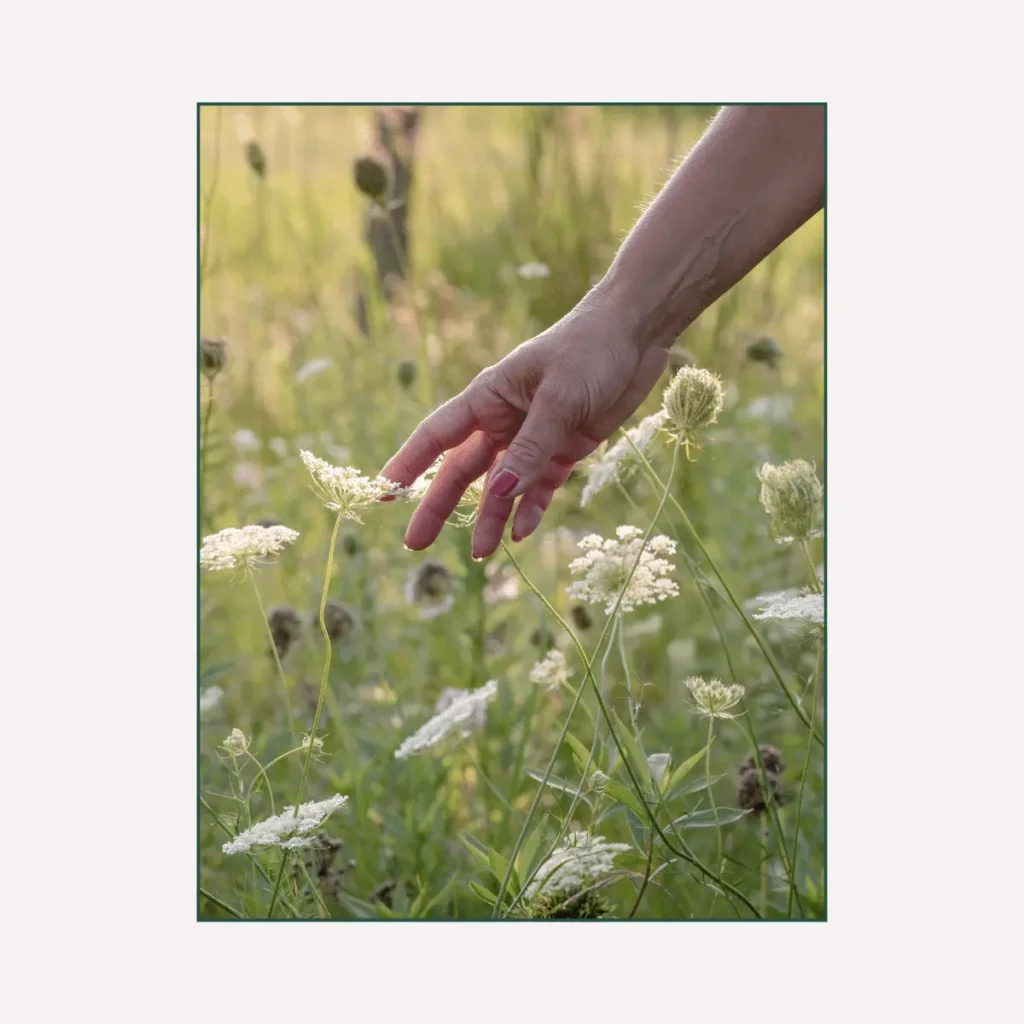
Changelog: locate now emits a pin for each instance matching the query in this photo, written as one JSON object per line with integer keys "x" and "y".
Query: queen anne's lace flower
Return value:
{"x": 714, "y": 698}
{"x": 344, "y": 489}
{"x": 791, "y": 494}
{"x": 607, "y": 563}
{"x": 457, "y": 710}
{"x": 619, "y": 461}
{"x": 805, "y": 605}
{"x": 552, "y": 671}
{"x": 580, "y": 860}
{"x": 210, "y": 698}
{"x": 272, "y": 831}
{"x": 244, "y": 547}
{"x": 692, "y": 402}
{"x": 469, "y": 504}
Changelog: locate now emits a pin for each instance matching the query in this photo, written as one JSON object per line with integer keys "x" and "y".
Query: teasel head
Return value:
{"x": 751, "y": 797}
{"x": 255, "y": 158}
{"x": 372, "y": 178}
{"x": 285, "y": 628}
{"x": 213, "y": 354}
{"x": 771, "y": 758}
{"x": 339, "y": 620}
{"x": 765, "y": 350}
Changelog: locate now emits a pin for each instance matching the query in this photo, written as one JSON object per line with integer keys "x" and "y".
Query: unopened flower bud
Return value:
{"x": 255, "y": 158}
{"x": 791, "y": 494}
{"x": 407, "y": 372}
{"x": 213, "y": 354}
{"x": 236, "y": 743}
{"x": 764, "y": 350}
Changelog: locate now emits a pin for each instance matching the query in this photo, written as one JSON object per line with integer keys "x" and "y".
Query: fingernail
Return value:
{"x": 387, "y": 497}
{"x": 515, "y": 537}
{"x": 504, "y": 483}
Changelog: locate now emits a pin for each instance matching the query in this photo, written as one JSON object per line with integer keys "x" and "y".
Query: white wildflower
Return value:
{"x": 278, "y": 446}
{"x": 210, "y": 698}
{"x": 344, "y": 489}
{"x": 607, "y": 563}
{"x": 244, "y": 547}
{"x": 805, "y": 605}
{"x": 552, "y": 671}
{"x": 598, "y": 779}
{"x": 272, "y": 831}
{"x": 246, "y": 441}
{"x": 714, "y": 698}
{"x": 458, "y": 711}
{"x": 236, "y": 743}
{"x": 318, "y": 744}
{"x": 579, "y": 861}
{"x": 620, "y": 461}
{"x": 312, "y": 368}
{"x": 535, "y": 270}
{"x": 502, "y": 584}
{"x": 248, "y": 475}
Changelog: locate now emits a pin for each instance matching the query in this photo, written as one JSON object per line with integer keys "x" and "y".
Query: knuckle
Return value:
{"x": 527, "y": 449}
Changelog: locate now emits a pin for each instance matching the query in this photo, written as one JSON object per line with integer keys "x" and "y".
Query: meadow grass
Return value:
{"x": 282, "y": 259}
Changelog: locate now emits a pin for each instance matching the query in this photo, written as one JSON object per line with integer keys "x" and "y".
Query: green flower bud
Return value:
{"x": 791, "y": 495}
{"x": 764, "y": 350}
{"x": 255, "y": 158}
{"x": 692, "y": 401}
{"x": 351, "y": 544}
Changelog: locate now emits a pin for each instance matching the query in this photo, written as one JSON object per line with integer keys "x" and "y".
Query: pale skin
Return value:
{"x": 754, "y": 177}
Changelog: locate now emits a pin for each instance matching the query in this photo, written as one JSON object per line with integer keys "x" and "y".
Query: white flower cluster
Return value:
{"x": 244, "y": 547}
{"x": 457, "y": 710}
{"x": 581, "y": 859}
{"x": 535, "y": 270}
{"x": 805, "y": 605}
{"x": 607, "y": 563}
{"x": 619, "y": 461}
{"x": 272, "y": 831}
{"x": 714, "y": 698}
{"x": 346, "y": 490}
{"x": 552, "y": 671}
{"x": 210, "y": 698}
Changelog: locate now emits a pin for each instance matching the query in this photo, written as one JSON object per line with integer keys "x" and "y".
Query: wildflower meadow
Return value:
{"x": 620, "y": 717}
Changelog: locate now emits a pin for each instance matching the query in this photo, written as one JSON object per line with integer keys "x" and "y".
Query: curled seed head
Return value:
{"x": 771, "y": 758}
{"x": 581, "y": 617}
{"x": 339, "y": 620}
{"x": 791, "y": 494}
{"x": 692, "y": 401}
{"x": 351, "y": 544}
{"x": 749, "y": 794}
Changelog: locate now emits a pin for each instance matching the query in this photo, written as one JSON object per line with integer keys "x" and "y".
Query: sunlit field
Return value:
{"x": 573, "y": 770}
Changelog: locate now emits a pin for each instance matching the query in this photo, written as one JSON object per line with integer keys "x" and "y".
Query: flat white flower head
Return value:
{"x": 581, "y": 859}
{"x": 620, "y": 461}
{"x": 346, "y": 490}
{"x": 805, "y": 606}
{"x": 458, "y": 711}
{"x": 714, "y": 698}
{"x": 244, "y": 547}
{"x": 606, "y": 564}
{"x": 551, "y": 671}
{"x": 210, "y": 698}
{"x": 273, "y": 831}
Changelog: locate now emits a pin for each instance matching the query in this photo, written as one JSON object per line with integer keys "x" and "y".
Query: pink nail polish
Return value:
{"x": 504, "y": 483}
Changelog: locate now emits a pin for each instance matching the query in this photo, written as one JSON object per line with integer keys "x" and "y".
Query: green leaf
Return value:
{"x": 484, "y": 893}
{"x": 682, "y": 770}
{"x": 698, "y": 784}
{"x": 706, "y": 819}
{"x": 635, "y": 752}
{"x": 556, "y": 783}
{"x": 478, "y": 851}
{"x": 578, "y": 749}
{"x": 624, "y": 795}
{"x": 356, "y": 907}
{"x": 527, "y": 852}
{"x": 499, "y": 866}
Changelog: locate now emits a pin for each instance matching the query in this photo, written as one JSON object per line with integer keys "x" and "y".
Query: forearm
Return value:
{"x": 754, "y": 177}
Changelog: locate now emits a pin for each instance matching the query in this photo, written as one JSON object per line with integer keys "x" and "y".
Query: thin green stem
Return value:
{"x": 277, "y": 659}
{"x": 800, "y": 793}
{"x": 220, "y": 903}
{"x": 769, "y": 657}
{"x": 764, "y": 869}
{"x": 647, "y": 876}
{"x": 313, "y": 889}
{"x": 208, "y": 205}
{"x": 490, "y": 785}
{"x": 815, "y": 582}
{"x": 711, "y": 795}
{"x": 319, "y": 701}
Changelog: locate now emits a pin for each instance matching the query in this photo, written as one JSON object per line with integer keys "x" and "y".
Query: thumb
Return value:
{"x": 544, "y": 432}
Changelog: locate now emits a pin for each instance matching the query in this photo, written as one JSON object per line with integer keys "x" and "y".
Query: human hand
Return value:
{"x": 526, "y": 421}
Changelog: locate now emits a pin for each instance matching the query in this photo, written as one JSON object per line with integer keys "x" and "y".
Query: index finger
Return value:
{"x": 447, "y": 427}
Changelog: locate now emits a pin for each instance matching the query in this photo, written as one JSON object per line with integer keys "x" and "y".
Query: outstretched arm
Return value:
{"x": 754, "y": 177}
